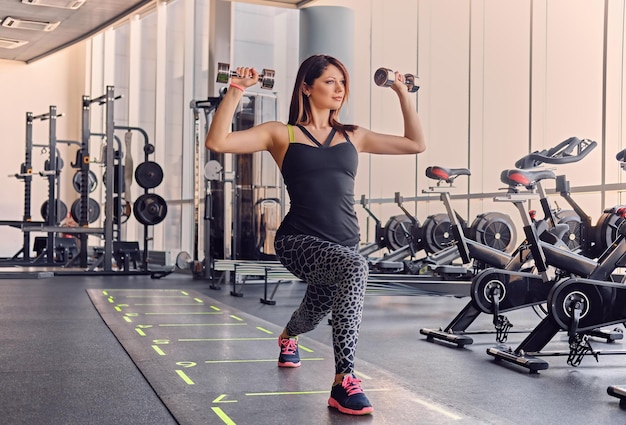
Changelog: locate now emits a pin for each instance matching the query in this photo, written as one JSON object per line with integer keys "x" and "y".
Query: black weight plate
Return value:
{"x": 92, "y": 181}
{"x": 149, "y": 174}
{"x": 150, "y": 209}
{"x": 124, "y": 210}
{"x": 93, "y": 210}
{"x": 61, "y": 211}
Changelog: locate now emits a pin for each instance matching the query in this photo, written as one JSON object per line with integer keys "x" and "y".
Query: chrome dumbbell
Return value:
{"x": 384, "y": 77}
{"x": 266, "y": 78}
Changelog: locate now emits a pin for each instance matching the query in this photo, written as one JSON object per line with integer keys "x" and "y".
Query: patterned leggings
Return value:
{"x": 336, "y": 276}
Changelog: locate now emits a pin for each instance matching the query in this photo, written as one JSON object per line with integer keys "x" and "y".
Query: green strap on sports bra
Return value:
{"x": 292, "y": 138}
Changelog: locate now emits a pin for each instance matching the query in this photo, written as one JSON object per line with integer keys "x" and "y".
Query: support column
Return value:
{"x": 328, "y": 30}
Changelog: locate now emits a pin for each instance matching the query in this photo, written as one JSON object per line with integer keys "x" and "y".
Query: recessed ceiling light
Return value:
{"x": 24, "y": 24}
{"x": 63, "y": 4}
{"x": 8, "y": 43}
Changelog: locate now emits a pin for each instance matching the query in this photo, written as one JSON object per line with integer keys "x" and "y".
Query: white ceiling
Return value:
{"x": 76, "y": 25}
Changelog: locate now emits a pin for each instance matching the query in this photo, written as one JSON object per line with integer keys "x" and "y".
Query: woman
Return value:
{"x": 318, "y": 238}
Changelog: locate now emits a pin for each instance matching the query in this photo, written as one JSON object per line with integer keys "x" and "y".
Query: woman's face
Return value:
{"x": 328, "y": 90}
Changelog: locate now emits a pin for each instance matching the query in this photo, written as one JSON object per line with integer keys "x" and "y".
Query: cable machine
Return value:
{"x": 255, "y": 197}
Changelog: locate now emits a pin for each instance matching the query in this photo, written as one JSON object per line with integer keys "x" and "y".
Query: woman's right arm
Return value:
{"x": 220, "y": 139}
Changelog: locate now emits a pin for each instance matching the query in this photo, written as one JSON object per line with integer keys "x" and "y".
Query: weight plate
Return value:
{"x": 149, "y": 174}
{"x": 61, "y": 211}
{"x": 150, "y": 209}
{"x": 124, "y": 210}
{"x": 92, "y": 181}
{"x": 93, "y": 210}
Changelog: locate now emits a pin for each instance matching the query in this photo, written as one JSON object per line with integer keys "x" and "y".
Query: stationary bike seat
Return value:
{"x": 447, "y": 174}
{"x": 517, "y": 177}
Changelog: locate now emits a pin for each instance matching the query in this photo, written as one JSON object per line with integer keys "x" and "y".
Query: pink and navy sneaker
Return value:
{"x": 348, "y": 397}
{"x": 289, "y": 355}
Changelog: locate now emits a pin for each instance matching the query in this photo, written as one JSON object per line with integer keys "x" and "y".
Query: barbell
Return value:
{"x": 384, "y": 77}
{"x": 266, "y": 78}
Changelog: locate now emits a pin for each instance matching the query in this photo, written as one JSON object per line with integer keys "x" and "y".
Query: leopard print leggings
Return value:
{"x": 336, "y": 276}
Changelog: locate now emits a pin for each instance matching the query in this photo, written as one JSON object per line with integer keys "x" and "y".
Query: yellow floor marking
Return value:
{"x": 222, "y": 339}
{"x": 185, "y": 378}
{"x": 158, "y": 350}
{"x": 220, "y": 399}
{"x": 168, "y": 305}
{"x": 156, "y": 296}
{"x": 265, "y": 330}
{"x": 438, "y": 409}
{"x": 128, "y": 319}
{"x": 303, "y": 348}
{"x": 166, "y": 325}
{"x": 223, "y": 416}
{"x": 184, "y": 313}
{"x": 215, "y": 308}
{"x": 140, "y": 332}
{"x": 236, "y": 318}
{"x": 362, "y": 375}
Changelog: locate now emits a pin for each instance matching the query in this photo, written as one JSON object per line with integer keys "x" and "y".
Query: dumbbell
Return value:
{"x": 266, "y": 78}
{"x": 384, "y": 77}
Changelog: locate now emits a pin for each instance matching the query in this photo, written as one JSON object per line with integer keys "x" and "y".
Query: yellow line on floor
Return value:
{"x": 184, "y": 313}
{"x": 223, "y": 416}
{"x": 158, "y": 350}
{"x": 168, "y": 305}
{"x": 437, "y": 409}
{"x": 185, "y": 378}
{"x": 223, "y": 339}
{"x": 166, "y": 325}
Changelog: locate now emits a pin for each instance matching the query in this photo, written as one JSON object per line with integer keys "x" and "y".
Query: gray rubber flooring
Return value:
{"x": 68, "y": 356}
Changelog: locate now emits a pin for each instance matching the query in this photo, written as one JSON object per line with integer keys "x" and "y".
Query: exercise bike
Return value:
{"x": 497, "y": 290}
{"x": 400, "y": 236}
{"x": 577, "y": 304}
{"x": 441, "y": 231}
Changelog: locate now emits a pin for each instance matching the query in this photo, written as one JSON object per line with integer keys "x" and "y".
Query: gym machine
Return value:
{"x": 497, "y": 290}
{"x": 256, "y": 195}
{"x": 255, "y": 199}
{"x": 577, "y": 304}
{"x": 52, "y": 168}
{"x": 149, "y": 209}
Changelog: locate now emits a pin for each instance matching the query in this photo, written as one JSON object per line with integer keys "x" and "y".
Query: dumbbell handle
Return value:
{"x": 232, "y": 73}
{"x": 384, "y": 77}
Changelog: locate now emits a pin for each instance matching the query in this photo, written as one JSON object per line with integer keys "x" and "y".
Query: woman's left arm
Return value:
{"x": 413, "y": 139}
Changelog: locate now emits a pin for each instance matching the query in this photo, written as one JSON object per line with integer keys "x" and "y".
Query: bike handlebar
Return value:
{"x": 566, "y": 152}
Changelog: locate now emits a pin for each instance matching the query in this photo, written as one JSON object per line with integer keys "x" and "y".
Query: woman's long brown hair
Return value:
{"x": 310, "y": 70}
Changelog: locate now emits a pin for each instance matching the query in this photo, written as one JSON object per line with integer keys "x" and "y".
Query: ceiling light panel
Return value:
{"x": 25, "y": 24}
{"x": 63, "y": 4}
{"x": 9, "y": 43}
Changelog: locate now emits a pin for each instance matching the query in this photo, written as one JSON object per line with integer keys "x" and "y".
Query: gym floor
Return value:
{"x": 134, "y": 350}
